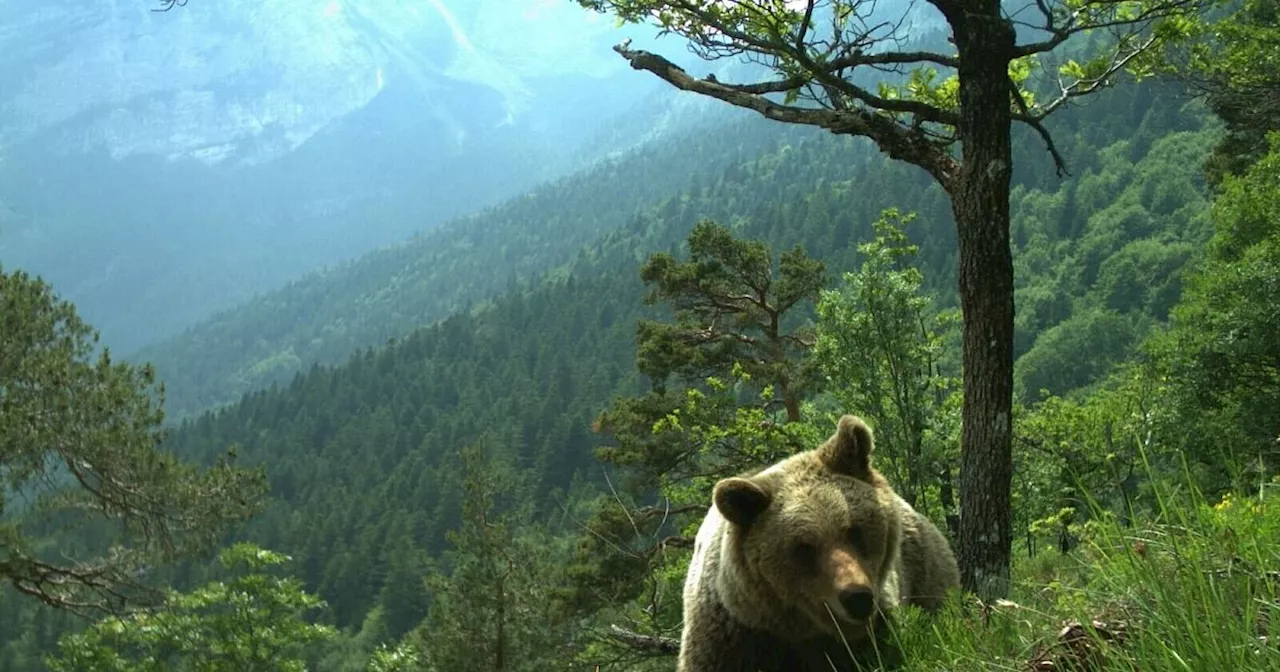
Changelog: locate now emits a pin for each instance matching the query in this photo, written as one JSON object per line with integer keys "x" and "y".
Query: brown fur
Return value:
{"x": 755, "y": 600}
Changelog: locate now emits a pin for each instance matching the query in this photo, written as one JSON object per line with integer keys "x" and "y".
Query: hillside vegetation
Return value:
{"x": 493, "y": 485}
{"x": 327, "y": 315}
{"x": 345, "y": 446}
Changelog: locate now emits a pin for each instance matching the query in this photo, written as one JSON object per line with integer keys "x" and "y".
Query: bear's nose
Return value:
{"x": 858, "y": 602}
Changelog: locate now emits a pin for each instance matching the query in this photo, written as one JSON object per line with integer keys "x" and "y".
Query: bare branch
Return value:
{"x": 651, "y": 511}
{"x": 1087, "y": 86}
{"x": 676, "y": 541}
{"x": 1059, "y": 163}
{"x": 107, "y": 586}
{"x": 800, "y": 341}
{"x": 1072, "y": 24}
{"x": 626, "y": 511}
{"x": 894, "y": 139}
{"x": 660, "y": 645}
{"x": 804, "y": 24}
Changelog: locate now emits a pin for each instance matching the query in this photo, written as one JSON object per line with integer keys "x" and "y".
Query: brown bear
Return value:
{"x": 787, "y": 555}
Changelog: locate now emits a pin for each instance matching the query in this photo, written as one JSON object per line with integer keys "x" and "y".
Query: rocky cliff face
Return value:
{"x": 247, "y": 81}
{"x": 157, "y": 166}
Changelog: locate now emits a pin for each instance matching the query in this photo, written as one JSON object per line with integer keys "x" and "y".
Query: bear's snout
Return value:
{"x": 858, "y": 602}
{"x": 852, "y": 585}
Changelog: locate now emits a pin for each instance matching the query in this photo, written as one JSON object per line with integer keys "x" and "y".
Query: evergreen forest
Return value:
{"x": 489, "y": 447}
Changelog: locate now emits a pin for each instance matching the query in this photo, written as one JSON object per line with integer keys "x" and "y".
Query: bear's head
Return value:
{"x": 811, "y": 543}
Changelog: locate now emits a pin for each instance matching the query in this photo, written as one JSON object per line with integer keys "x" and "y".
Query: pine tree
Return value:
{"x": 79, "y": 437}
{"x": 490, "y": 603}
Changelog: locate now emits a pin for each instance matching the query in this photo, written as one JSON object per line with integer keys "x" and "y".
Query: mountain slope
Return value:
{"x": 159, "y": 166}
{"x": 327, "y": 315}
{"x": 324, "y": 317}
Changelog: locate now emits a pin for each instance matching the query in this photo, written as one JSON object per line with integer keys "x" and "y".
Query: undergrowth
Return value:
{"x": 1192, "y": 585}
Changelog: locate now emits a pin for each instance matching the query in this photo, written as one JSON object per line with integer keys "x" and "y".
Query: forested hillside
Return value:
{"x": 327, "y": 315}
{"x": 324, "y": 317}
{"x": 362, "y": 457}
{"x": 488, "y": 448}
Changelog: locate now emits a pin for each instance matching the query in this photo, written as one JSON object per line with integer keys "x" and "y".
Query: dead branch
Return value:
{"x": 646, "y": 512}
{"x": 656, "y": 644}
{"x": 895, "y": 140}
{"x": 108, "y": 586}
{"x": 676, "y": 542}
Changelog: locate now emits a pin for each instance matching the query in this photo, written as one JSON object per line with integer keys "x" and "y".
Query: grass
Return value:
{"x": 1195, "y": 586}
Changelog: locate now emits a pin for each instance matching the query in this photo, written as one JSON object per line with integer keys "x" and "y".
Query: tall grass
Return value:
{"x": 1191, "y": 586}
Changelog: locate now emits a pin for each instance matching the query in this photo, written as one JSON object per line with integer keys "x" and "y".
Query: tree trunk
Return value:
{"x": 792, "y": 405}
{"x": 980, "y": 203}
{"x": 500, "y": 658}
{"x": 947, "y": 499}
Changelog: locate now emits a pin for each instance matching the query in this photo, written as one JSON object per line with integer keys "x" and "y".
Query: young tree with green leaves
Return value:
{"x": 1091, "y": 451}
{"x": 920, "y": 105}
{"x": 402, "y": 657}
{"x": 1219, "y": 357}
{"x": 1221, "y": 349}
{"x": 880, "y": 348}
{"x": 251, "y": 623}
{"x": 79, "y": 444}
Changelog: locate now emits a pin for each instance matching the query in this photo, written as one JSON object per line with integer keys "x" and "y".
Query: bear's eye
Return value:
{"x": 805, "y": 553}
{"x": 857, "y": 539}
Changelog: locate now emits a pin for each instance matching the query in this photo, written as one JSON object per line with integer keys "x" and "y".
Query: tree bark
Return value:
{"x": 792, "y": 405}
{"x": 980, "y": 203}
{"x": 656, "y": 644}
{"x": 500, "y": 658}
{"x": 948, "y": 501}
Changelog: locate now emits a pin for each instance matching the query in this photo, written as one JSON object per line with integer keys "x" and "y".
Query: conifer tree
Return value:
{"x": 491, "y": 606}
{"x": 728, "y": 378}
{"x": 730, "y": 308}
{"x": 80, "y": 440}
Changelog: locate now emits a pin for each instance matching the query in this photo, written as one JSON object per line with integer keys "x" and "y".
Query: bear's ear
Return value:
{"x": 848, "y": 451}
{"x": 741, "y": 500}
